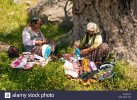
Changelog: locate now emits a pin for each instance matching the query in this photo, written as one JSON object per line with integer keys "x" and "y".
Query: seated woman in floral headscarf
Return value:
{"x": 92, "y": 46}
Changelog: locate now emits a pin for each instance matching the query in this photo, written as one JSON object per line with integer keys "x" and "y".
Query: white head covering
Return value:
{"x": 93, "y": 26}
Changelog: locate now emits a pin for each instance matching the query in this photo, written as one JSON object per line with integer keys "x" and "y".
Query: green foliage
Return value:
{"x": 53, "y": 31}
{"x": 13, "y": 19}
{"x": 51, "y": 77}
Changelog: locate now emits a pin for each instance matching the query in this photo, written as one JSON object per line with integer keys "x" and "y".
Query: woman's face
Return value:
{"x": 91, "y": 31}
{"x": 37, "y": 26}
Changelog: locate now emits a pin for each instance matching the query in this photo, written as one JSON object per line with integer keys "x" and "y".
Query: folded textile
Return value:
{"x": 28, "y": 60}
{"x": 22, "y": 63}
{"x": 46, "y": 50}
{"x": 71, "y": 69}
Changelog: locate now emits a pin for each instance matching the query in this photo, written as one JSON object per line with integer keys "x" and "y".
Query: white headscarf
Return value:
{"x": 93, "y": 26}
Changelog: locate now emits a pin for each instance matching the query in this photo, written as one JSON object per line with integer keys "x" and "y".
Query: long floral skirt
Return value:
{"x": 100, "y": 54}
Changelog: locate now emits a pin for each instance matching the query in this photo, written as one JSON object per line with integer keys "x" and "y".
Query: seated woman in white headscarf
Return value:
{"x": 92, "y": 46}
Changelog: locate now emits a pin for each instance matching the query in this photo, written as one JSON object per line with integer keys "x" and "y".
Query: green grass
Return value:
{"x": 13, "y": 20}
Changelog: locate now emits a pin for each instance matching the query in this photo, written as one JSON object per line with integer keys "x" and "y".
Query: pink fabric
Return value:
{"x": 70, "y": 67}
{"x": 93, "y": 66}
{"x": 21, "y": 62}
{"x": 28, "y": 61}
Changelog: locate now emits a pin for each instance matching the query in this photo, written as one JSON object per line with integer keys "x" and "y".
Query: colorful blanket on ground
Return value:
{"x": 28, "y": 60}
{"x": 75, "y": 67}
{"x": 86, "y": 69}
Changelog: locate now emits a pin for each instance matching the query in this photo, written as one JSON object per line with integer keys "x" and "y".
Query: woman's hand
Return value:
{"x": 45, "y": 41}
{"x": 39, "y": 42}
{"x": 86, "y": 51}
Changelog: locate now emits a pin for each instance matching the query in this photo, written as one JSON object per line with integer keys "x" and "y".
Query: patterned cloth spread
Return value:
{"x": 22, "y": 63}
{"x": 85, "y": 69}
{"x": 27, "y": 61}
